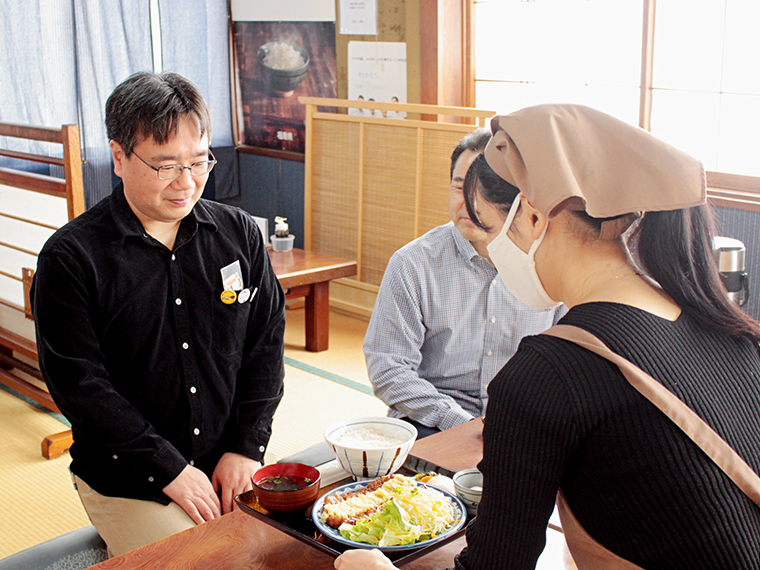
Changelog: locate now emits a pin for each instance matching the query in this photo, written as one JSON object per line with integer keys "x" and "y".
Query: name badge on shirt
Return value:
{"x": 231, "y": 277}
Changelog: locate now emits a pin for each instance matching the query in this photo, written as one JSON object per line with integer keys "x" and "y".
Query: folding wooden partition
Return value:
{"x": 374, "y": 184}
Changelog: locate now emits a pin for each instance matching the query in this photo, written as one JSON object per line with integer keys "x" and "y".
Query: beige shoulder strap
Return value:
{"x": 587, "y": 553}
{"x": 686, "y": 419}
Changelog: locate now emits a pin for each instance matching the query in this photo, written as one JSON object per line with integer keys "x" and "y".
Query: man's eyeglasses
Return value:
{"x": 173, "y": 171}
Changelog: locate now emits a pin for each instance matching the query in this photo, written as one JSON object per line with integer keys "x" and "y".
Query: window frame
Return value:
{"x": 723, "y": 188}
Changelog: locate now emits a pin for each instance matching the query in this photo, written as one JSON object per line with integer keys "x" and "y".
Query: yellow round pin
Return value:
{"x": 228, "y": 297}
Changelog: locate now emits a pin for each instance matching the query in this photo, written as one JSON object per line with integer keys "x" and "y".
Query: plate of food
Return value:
{"x": 392, "y": 513}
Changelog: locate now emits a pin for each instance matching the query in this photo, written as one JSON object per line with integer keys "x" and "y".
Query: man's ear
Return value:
{"x": 118, "y": 157}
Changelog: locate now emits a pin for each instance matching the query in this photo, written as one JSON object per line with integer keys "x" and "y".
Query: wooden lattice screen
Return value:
{"x": 374, "y": 184}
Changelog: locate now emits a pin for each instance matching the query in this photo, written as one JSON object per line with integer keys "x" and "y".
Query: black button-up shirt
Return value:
{"x": 140, "y": 353}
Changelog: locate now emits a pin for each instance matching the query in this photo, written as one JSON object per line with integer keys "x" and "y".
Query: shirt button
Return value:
{"x": 178, "y": 301}
{"x": 494, "y": 281}
{"x": 192, "y": 462}
{"x": 489, "y": 353}
{"x": 196, "y": 431}
{"x": 150, "y": 479}
{"x": 174, "y": 257}
{"x": 493, "y": 319}
{"x": 185, "y": 345}
{"x": 193, "y": 391}
{"x": 115, "y": 457}
{"x": 262, "y": 448}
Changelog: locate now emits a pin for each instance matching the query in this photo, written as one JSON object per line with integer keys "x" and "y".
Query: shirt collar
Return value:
{"x": 465, "y": 248}
{"x": 129, "y": 226}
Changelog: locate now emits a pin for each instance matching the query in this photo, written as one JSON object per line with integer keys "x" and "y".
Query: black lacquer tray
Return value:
{"x": 299, "y": 525}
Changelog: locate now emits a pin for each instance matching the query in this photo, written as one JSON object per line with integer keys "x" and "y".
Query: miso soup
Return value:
{"x": 284, "y": 483}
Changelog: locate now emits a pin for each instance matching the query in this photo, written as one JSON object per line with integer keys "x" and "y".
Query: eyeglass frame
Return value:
{"x": 182, "y": 168}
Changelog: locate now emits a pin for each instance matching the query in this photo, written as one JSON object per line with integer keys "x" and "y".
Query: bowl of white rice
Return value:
{"x": 283, "y": 66}
{"x": 368, "y": 448}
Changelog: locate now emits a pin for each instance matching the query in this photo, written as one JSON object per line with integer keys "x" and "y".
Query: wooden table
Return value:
{"x": 238, "y": 540}
{"x": 302, "y": 274}
{"x": 308, "y": 274}
{"x": 449, "y": 451}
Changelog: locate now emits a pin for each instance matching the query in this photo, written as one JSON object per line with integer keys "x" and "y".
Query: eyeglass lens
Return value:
{"x": 172, "y": 171}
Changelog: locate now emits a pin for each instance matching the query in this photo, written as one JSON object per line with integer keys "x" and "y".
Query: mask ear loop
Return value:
{"x": 534, "y": 246}
{"x": 511, "y": 215}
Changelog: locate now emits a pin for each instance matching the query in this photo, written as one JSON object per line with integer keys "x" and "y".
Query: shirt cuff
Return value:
{"x": 253, "y": 446}
{"x": 166, "y": 466}
{"x": 453, "y": 418}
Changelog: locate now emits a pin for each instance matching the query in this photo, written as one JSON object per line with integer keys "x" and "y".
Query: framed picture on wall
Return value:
{"x": 275, "y": 62}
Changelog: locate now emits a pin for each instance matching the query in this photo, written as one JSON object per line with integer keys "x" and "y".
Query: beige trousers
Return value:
{"x": 126, "y": 524}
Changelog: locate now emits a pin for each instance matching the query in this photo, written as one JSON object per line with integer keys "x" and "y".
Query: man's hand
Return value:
{"x": 232, "y": 476}
{"x": 192, "y": 491}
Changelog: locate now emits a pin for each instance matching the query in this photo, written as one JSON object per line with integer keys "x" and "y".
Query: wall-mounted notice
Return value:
{"x": 283, "y": 10}
{"x": 377, "y": 72}
{"x": 358, "y": 17}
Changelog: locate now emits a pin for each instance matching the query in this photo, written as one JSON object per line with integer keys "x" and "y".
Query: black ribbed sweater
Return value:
{"x": 560, "y": 416}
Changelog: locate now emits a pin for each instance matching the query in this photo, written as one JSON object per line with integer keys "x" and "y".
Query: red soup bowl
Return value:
{"x": 284, "y": 487}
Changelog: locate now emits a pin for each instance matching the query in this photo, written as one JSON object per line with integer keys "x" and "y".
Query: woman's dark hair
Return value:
{"x": 482, "y": 180}
{"x": 675, "y": 249}
{"x": 150, "y": 105}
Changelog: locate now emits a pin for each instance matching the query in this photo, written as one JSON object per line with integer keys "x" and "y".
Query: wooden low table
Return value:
{"x": 449, "y": 451}
{"x": 301, "y": 274}
{"x": 238, "y": 540}
{"x": 308, "y": 274}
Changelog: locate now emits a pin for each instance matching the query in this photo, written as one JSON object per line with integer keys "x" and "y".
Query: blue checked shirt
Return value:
{"x": 442, "y": 327}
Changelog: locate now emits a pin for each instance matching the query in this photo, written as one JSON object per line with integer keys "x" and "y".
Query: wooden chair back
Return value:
{"x": 32, "y": 206}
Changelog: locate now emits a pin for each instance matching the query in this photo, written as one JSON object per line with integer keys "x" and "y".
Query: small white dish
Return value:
{"x": 468, "y": 484}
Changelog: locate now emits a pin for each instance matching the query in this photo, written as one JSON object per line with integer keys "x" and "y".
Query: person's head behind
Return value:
{"x": 475, "y": 141}
{"x": 599, "y": 176}
{"x": 467, "y": 149}
{"x": 150, "y": 105}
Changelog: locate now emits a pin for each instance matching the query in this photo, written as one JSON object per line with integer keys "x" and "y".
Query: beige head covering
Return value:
{"x": 555, "y": 152}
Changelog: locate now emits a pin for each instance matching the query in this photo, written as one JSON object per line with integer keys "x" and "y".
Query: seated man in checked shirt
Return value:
{"x": 443, "y": 323}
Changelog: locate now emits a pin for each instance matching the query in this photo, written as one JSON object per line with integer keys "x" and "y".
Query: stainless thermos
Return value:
{"x": 729, "y": 254}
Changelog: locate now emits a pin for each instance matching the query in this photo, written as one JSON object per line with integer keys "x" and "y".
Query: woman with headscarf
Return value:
{"x": 612, "y": 222}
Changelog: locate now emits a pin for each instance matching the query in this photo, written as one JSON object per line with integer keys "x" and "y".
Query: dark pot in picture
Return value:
{"x": 281, "y": 75}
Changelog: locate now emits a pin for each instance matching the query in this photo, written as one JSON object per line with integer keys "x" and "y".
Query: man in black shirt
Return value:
{"x": 160, "y": 327}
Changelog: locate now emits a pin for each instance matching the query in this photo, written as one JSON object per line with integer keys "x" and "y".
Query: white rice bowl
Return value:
{"x": 282, "y": 55}
{"x": 371, "y": 447}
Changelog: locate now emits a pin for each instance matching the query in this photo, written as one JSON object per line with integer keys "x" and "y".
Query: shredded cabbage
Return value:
{"x": 413, "y": 514}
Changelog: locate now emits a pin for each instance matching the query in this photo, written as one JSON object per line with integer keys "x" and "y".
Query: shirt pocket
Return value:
{"x": 229, "y": 323}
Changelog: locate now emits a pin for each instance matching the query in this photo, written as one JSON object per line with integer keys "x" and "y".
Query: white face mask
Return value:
{"x": 516, "y": 268}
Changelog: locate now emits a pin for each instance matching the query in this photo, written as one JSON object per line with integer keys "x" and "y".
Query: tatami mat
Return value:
{"x": 37, "y": 499}
{"x": 344, "y": 358}
{"x": 311, "y": 403}
{"x": 38, "y": 502}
